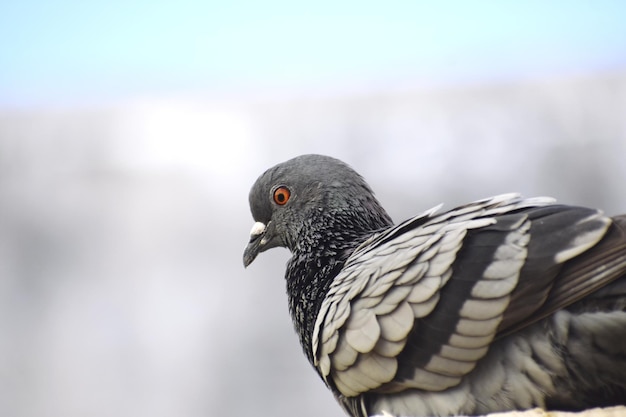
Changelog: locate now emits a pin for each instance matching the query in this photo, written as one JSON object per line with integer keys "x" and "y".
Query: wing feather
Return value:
{"x": 396, "y": 325}
{"x": 465, "y": 353}
{"x": 363, "y": 330}
{"x": 424, "y": 308}
{"x": 389, "y": 348}
{"x": 345, "y": 355}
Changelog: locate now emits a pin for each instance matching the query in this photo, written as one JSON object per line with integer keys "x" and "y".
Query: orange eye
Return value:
{"x": 281, "y": 195}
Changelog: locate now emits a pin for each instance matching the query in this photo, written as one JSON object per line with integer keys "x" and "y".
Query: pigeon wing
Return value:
{"x": 418, "y": 305}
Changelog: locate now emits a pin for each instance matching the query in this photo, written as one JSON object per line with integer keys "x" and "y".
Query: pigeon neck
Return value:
{"x": 324, "y": 244}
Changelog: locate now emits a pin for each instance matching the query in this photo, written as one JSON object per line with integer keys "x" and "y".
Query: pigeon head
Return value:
{"x": 289, "y": 200}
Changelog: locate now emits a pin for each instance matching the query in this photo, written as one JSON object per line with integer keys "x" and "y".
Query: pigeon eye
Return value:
{"x": 281, "y": 195}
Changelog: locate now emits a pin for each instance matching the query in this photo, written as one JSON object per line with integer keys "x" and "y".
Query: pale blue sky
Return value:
{"x": 75, "y": 51}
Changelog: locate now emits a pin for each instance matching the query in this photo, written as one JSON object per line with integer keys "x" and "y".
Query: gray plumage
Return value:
{"x": 504, "y": 303}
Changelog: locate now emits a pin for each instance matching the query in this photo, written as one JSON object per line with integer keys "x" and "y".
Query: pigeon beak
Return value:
{"x": 257, "y": 241}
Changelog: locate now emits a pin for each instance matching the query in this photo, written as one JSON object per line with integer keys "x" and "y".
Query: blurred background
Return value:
{"x": 131, "y": 131}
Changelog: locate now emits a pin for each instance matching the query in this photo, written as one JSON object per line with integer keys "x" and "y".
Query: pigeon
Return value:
{"x": 506, "y": 303}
